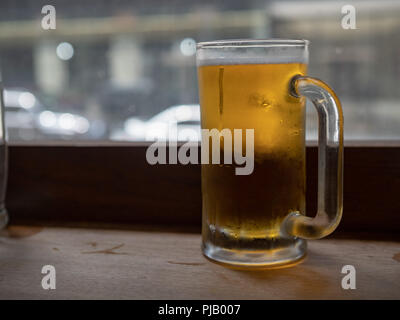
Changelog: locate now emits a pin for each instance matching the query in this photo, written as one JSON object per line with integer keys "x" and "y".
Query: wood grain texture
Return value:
{"x": 100, "y": 264}
{"x": 115, "y": 185}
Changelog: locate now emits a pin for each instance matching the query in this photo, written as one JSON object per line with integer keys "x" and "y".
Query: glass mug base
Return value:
{"x": 248, "y": 257}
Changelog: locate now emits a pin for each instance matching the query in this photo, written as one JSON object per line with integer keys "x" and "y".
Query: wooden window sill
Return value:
{"x": 117, "y": 264}
{"x": 114, "y": 184}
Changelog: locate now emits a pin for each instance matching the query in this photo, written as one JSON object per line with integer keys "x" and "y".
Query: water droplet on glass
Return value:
{"x": 259, "y": 100}
{"x": 295, "y": 132}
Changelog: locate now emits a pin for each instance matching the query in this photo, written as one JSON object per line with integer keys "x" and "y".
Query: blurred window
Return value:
{"x": 111, "y": 67}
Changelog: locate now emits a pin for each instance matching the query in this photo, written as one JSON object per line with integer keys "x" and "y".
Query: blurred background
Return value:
{"x": 125, "y": 69}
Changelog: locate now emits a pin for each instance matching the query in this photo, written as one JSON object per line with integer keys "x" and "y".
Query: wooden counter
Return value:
{"x": 110, "y": 264}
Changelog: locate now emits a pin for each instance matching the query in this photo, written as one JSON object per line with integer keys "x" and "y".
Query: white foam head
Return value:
{"x": 252, "y": 52}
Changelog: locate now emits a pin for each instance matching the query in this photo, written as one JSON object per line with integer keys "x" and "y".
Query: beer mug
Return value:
{"x": 258, "y": 220}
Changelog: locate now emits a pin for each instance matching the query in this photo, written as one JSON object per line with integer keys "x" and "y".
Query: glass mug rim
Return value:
{"x": 253, "y": 43}
{"x": 252, "y": 51}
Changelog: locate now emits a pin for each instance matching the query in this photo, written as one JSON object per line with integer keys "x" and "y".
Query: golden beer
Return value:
{"x": 245, "y": 212}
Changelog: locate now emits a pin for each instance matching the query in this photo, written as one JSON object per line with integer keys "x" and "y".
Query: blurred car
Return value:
{"x": 118, "y": 104}
{"x": 176, "y": 123}
{"x": 27, "y": 118}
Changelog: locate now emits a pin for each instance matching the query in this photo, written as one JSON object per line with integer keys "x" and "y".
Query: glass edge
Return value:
{"x": 252, "y": 43}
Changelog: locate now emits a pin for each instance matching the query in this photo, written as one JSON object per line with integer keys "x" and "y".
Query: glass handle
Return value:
{"x": 330, "y": 161}
{"x": 3, "y": 162}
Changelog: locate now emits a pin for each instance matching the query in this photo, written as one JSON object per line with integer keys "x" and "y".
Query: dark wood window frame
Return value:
{"x": 111, "y": 183}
